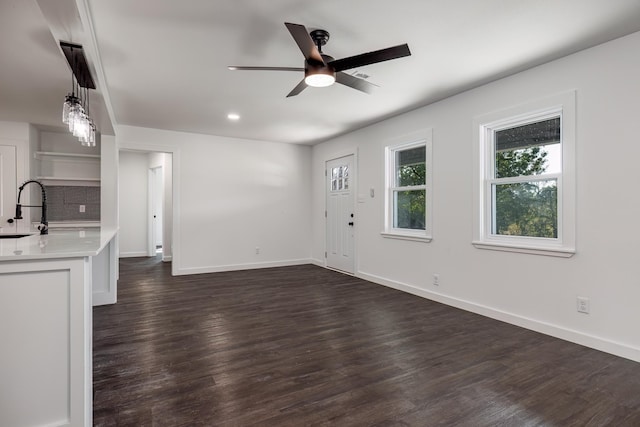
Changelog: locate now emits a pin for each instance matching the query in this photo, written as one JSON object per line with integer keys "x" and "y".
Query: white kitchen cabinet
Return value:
{"x": 46, "y": 334}
{"x": 47, "y": 284}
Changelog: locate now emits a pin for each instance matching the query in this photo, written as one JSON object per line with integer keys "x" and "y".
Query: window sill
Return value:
{"x": 406, "y": 236}
{"x": 532, "y": 250}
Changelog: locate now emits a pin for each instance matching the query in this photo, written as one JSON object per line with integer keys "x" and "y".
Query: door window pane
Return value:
{"x": 340, "y": 178}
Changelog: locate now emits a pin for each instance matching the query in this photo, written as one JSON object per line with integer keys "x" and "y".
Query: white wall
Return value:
{"x": 14, "y": 130}
{"x": 133, "y": 183}
{"x": 167, "y": 229}
{"x": 537, "y": 292}
{"x": 109, "y": 181}
{"x": 63, "y": 141}
{"x": 231, "y": 196}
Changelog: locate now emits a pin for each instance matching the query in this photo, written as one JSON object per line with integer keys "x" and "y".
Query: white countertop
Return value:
{"x": 69, "y": 224}
{"x": 56, "y": 244}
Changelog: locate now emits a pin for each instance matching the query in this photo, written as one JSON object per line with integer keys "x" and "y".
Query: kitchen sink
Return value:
{"x": 13, "y": 236}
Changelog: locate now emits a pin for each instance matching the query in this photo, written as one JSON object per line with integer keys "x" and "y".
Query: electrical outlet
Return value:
{"x": 257, "y": 250}
{"x": 82, "y": 208}
{"x": 583, "y": 305}
{"x": 436, "y": 280}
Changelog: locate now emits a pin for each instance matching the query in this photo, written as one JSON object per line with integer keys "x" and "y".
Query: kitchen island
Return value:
{"x": 48, "y": 285}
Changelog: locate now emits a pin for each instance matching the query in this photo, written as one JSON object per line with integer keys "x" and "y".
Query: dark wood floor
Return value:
{"x": 307, "y": 346}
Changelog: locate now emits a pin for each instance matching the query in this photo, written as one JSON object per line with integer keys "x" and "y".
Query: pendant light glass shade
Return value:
{"x": 75, "y": 117}
{"x": 65, "y": 109}
{"x": 81, "y": 127}
{"x": 89, "y": 140}
{"x": 70, "y": 109}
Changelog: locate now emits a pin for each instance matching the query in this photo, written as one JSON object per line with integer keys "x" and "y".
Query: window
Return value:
{"x": 526, "y": 191}
{"x": 408, "y": 187}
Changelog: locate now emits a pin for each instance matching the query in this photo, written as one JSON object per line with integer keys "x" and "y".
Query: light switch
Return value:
{"x": 82, "y": 208}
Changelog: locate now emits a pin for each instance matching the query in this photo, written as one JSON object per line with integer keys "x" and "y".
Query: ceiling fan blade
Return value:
{"x": 243, "y": 68}
{"x": 371, "y": 57}
{"x": 299, "y": 88}
{"x": 305, "y": 43}
{"x": 355, "y": 82}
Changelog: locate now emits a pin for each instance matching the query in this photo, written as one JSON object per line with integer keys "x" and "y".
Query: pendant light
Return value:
{"x": 75, "y": 109}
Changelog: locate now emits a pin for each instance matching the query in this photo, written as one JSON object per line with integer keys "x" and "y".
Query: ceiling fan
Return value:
{"x": 322, "y": 70}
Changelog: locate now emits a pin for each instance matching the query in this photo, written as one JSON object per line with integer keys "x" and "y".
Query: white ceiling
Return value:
{"x": 163, "y": 63}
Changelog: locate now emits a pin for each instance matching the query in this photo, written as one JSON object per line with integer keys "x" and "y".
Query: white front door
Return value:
{"x": 8, "y": 187}
{"x": 340, "y": 214}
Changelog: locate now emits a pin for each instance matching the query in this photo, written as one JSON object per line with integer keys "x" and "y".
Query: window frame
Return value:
{"x": 419, "y": 139}
{"x": 485, "y": 127}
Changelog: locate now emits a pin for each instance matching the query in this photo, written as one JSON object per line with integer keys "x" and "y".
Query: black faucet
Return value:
{"x": 44, "y": 225}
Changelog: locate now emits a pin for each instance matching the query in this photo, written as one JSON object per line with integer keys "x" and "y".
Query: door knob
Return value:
{"x": 351, "y": 224}
{"x": 10, "y": 220}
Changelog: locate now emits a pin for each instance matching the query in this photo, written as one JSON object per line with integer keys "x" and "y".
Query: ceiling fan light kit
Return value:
{"x": 319, "y": 76}
{"x": 322, "y": 70}
{"x": 320, "y": 79}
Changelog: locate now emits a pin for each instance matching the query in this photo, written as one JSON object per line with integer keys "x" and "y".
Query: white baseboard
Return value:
{"x": 102, "y": 298}
{"x": 248, "y": 266}
{"x": 587, "y": 340}
{"x": 133, "y": 254}
{"x": 318, "y": 262}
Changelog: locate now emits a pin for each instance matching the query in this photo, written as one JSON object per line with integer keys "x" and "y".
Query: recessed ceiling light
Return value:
{"x": 233, "y": 116}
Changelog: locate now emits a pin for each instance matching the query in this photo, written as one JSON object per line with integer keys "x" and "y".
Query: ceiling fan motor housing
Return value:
{"x": 318, "y": 74}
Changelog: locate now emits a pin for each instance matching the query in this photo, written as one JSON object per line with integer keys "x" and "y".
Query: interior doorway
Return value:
{"x": 145, "y": 204}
